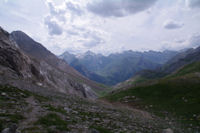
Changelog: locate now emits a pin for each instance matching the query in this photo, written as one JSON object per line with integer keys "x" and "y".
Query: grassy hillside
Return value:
{"x": 148, "y": 76}
{"x": 177, "y": 96}
{"x": 191, "y": 68}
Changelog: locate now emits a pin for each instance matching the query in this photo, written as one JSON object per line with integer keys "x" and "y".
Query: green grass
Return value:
{"x": 191, "y": 68}
{"x": 14, "y": 118}
{"x": 1, "y": 125}
{"x": 105, "y": 92}
{"x": 53, "y": 120}
{"x": 139, "y": 80}
{"x": 13, "y": 92}
{"x": 18, "y": 94}
{"x": 179, "y": 96}
{"x": 32, "y": 130}
{"x": 99, "y": 92}
{"x": 55, "y": 109}
{"x": 90, "y": 114}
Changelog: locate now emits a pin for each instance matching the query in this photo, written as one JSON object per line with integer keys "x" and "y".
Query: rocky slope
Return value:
{"x": 27, "y": 64}
{"x": 50, "y": 112}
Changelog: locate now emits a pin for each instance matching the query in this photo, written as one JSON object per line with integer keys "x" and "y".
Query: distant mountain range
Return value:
{"x": 117, "y": 67}
{"x": 29, "y": 65}
{"x": 171, "y": 66}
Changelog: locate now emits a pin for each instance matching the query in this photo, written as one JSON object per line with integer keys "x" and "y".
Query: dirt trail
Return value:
{"x": 32, "y": 111}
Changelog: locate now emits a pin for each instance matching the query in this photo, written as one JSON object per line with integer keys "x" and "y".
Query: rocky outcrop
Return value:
{"x": 14, "y": 59}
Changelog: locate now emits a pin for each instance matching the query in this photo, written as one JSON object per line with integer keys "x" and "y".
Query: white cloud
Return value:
{"x": 93, "y": 41}
{"x": 178, "y": 44}
{"x": 194, "y": 40}
{"x": 53, "y": 27}
{"x": 57, "y": 12}
{"x": 74, "y": 8}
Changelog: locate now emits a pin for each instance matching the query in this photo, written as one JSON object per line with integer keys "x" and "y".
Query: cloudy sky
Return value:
{"x": 105, "y": 26}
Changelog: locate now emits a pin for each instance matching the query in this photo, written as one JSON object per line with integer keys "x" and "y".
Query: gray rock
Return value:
{"x": 67, "y": 109}
{"x": 3, "y": 94}
{"x": 11, "y": 129}
{"x": 168, "y": 130}
{"x": 6, "y": 130}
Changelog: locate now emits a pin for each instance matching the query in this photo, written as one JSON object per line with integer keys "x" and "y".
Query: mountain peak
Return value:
{"x": 28, "y": 45}
{"x": 89, "y": 53}
{"x": 68, "y": 57}
{"x": 86, "y": 54}
{"x": 66, "y": 53}
{"x": 3, "y": 32}
{"x": 19, "y": 34}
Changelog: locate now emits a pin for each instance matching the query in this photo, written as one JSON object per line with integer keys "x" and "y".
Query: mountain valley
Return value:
{"x": 40, "y": 93}
{"x": 99, "y": 66}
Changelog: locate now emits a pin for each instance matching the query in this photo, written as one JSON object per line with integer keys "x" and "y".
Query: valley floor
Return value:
{"x": 27, "y": 112}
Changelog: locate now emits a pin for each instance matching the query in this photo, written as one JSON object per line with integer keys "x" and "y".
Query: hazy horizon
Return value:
{"x": 103, "y": 26}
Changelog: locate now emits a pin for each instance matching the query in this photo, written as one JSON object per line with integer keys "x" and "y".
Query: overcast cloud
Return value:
{"x": 53, "y": 27}
{"x": 75, "y": 8}
{"x": 193, "y": 3}
{"x": 105, "y": 26}
{"x": 171, "y": 24}
{"x": 118, "y": 8}
{"x": 195, "y": 40}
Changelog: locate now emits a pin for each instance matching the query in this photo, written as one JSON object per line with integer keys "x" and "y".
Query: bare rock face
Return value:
{"x": 26, "y": 63}
{"x": 12, "y": 58}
